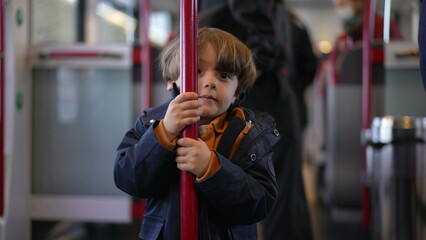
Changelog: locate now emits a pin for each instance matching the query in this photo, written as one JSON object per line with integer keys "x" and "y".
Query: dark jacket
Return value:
{"x": 240, "y": 194}
{"x": 422, "y": 42}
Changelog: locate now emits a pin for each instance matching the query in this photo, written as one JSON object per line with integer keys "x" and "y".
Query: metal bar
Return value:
{"x": 2, "y": 112}
{"x": 146, "y": 54}
{"x": 367, "y": 36}
{"x": 188, "y": 79}
{"x": 81, "y": 21}
{"x": 386, "y": 22}
{"x": 78, "y": 54}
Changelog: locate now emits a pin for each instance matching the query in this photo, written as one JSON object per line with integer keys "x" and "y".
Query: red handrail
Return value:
{"x": 146, "y": 54}
{"x": 188, "y": 79}
{"x": 2, "y": 112}
{"x": 367, "y": 36}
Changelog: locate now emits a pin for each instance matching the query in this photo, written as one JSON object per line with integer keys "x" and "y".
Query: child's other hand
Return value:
{"x": 193, "y": 156}
{"x": 182, "y": 111}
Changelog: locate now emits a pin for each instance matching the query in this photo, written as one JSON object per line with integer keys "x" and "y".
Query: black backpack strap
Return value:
{"x": 236, "y": 125}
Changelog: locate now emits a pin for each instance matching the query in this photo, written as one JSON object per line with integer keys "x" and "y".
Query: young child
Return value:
{"x": 232, "y": 162}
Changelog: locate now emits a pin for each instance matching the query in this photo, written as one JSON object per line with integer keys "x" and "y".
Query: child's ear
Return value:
{"x": 235, "y": 98}
{"x": 240, "y": 97}
{"x": 170, "y": 85}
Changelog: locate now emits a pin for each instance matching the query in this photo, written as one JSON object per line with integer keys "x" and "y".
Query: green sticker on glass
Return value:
{"x": 19, "y": 17}
{"x": 19, "y": 100}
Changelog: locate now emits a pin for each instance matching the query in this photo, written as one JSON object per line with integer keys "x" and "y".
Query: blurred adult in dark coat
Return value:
{"x": 256, "y": 23}
{"x": 304, "y": 63}
{"x": 422, "y": 41}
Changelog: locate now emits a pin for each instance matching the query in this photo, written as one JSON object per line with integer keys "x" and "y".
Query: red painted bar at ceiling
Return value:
{"x": 188, "y": 79}
{"x": 2, "y": 112}
{"x": 367, "y": 36}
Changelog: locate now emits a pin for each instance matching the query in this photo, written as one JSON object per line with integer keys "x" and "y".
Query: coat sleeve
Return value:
{"x": 242, "y": 194}
{"x": 143, "y": 168}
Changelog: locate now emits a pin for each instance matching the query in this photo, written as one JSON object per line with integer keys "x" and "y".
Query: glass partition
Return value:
{"x": 82, "y": 104}
{"x": 79, "y": 118}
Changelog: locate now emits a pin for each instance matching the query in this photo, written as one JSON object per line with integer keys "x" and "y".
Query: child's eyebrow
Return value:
{"x": 226, "y": 66}
{"x": 221, "y": 66}
{"x": 222, "y": 70}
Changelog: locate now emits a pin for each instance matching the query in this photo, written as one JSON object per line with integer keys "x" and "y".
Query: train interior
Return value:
{"x": 77, "y": 73}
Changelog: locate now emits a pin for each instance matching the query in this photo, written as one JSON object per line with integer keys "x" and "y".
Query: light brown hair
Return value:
{"x": 233, "y": 57}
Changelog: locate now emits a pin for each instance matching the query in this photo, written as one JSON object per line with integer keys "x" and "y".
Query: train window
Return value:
{"x": 160, "y": 28}
{"x": 404, "y": 14}
{"x": 111, "y": 21}
{"x": 53, "y": 21}
{"x": 99, "y": 21}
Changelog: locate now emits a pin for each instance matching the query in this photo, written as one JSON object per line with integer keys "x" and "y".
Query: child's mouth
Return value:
{"x": 208, "y": 98}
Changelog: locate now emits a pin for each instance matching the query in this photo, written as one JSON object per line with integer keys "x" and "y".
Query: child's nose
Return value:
{"x": 209, "y": 81}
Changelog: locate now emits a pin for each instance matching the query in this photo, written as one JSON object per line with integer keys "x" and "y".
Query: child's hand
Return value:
{"x": 193, "y": 156}
{"x": 182, "y": 111}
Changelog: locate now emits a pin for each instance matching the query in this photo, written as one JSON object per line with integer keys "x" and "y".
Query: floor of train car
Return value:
{"x": 323, "y": 226}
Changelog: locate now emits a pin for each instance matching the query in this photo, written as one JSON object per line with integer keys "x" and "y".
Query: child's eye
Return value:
{"x": 225, "y": 76}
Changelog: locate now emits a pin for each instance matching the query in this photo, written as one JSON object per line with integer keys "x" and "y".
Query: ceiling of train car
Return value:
{"x": 312, "y": 3}
{"x": 173, "y": 5}
{"x": 156, "y": 5}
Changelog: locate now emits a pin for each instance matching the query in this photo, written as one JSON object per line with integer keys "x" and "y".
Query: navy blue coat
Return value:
{"x": 231, "y": 201}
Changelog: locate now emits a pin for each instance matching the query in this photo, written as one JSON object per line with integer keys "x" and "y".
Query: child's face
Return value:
{"x": 216, "y": 89}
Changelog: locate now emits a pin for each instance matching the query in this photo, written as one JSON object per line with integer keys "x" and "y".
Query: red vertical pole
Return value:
{"x": 2, "y": 112}
{"x": 188, "y": 79}
{"x": 146, "y": 54}
{"x": 367, "y": 36}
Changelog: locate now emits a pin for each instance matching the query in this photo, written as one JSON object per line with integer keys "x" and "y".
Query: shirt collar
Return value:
{"x": 218, "y": 124}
